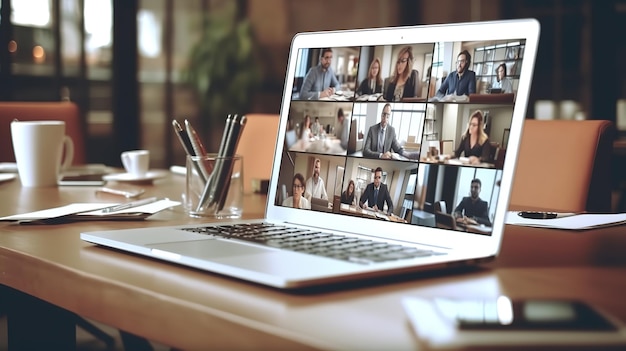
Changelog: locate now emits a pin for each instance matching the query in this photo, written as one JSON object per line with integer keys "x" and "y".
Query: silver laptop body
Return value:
{"x": 418, "y": 179}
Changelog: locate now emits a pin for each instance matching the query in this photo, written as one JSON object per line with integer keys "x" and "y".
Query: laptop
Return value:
{"x": 362, "y": 237}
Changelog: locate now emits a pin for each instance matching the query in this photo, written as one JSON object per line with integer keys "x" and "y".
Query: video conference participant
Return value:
{"x": 298, "y": 189}
{"x": 315, "y": 185}
{"x": 475, "y": 143}
{"x": 347, "y": 197}
{"x": 462, "y": 81}
{"x": 381, "y": 139}
{"x": 472, "y": 208}
{"x": 373, "y": 84}
{"x": 316, "y": 127}
{"x": 376, "y": 194}
{"x": 305, "y": 130}
{"x": 343, "y": 129}
{"x": 405, "y": 81}
{"x": 320, "y": 81}
{"x": 502, "y": 82}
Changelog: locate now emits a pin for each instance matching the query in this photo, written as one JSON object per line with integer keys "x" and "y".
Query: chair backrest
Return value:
{"x": 564, "y": 165}
{"x": 38, "y": 111}
{"x": 440, "y": 206}
{"x": 447, "y": 147}
{"x": 257, "y": 145}
{"x": 352, "y": 138}
{"x": 445, "y": 220}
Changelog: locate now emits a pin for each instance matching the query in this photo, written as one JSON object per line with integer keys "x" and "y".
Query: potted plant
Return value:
{"x": 223, "y": 69}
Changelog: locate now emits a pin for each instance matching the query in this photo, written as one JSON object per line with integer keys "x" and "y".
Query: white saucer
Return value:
{"x": 7, "y": 176}
{"x": 130, "y": 178}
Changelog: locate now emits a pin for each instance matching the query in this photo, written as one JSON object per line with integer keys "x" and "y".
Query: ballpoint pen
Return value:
{"x": 194, "y": 139}
{"x": 208, "y": 193}
{"x": 199, "y": 149}
{"x": 217, "y": 188}
{"x": 129, "y": 205}
{"x": 183, "y": 138}
{"x": 186, "y": 143}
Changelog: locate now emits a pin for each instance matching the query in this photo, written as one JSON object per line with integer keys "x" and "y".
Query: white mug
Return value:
{"x": 136, "y": 162}
{"x": 39, "y": 149}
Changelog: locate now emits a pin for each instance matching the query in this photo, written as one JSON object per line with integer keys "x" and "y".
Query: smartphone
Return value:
{"x": 501, "y": 321}
{"x": 82, "y": 179}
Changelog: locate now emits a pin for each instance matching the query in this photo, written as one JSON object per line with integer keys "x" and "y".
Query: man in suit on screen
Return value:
{"x": 376, "y": 194}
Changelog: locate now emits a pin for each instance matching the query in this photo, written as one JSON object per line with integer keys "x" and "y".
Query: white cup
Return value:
{"x": 39, "y": 149}
{"x": 136, "y": 162}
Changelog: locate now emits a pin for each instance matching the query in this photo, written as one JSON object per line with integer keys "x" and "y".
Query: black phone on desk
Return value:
{"x": 90, "y": 179}
{"x": 448, "y": 322}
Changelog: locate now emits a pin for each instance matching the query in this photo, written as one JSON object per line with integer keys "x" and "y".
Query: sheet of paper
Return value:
{"x": 57, "y": 211}
{"x": 90, "y": 210}
{"x": 148, "y": 208}
{"x": 569, "y": 222}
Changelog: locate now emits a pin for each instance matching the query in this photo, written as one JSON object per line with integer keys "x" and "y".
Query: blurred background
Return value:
{"x": 132, "y": 65}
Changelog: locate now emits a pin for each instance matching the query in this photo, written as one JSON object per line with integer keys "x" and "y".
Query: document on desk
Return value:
{"x": 91, "y": 211}
{"x": 581, "y": 221}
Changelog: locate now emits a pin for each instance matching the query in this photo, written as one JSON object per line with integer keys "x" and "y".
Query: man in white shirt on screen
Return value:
{"x": 315, "y": 186}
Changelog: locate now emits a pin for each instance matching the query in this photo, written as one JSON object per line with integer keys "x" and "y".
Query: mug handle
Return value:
{"x": 68, "y": 147}
{"x": 125, "y": 161}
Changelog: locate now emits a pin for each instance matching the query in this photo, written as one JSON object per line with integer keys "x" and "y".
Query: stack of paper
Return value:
{"x": 90, "y": 211}
{"x": 569, "y": 221}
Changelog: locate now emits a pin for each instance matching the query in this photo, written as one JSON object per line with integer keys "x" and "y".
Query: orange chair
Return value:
{"x": 564, "y": 166}
{"x": 31, "y": 111}
{"x": 257, "y": 145}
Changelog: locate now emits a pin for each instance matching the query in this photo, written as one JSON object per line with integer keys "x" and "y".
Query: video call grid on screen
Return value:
{"x": 429, "y": 178}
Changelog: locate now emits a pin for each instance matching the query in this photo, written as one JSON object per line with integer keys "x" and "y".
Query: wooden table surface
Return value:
{"x": 195, "y": 310}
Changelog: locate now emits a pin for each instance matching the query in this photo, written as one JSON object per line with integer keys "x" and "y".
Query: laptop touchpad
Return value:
{"x": 208, "y": 249}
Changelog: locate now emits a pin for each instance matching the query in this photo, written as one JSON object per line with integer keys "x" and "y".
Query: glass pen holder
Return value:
{"x": 214, "y": 186}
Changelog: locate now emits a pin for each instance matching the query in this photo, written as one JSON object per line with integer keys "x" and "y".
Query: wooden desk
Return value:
{"x": 194, "y": 310}
{"x": 368, "y": 213}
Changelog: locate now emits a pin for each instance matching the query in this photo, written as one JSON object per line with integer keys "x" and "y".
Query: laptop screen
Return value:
{"x": 413, "y": 133}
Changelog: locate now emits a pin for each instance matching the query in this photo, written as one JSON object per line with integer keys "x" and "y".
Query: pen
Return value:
{"x": 224, "y": 189}
{"x": 129, "y": 205}
{"x": 196, "y": 144}
{"x": 537, "y": 215}
{"x": 183, "y": 137}
{"x": 216, "y": 189}
{"x": 198, "y": 148}
{"x": 208, "y": 194}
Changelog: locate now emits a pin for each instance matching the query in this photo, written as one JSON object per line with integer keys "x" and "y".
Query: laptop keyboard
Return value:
{"x": 313, "y": 242}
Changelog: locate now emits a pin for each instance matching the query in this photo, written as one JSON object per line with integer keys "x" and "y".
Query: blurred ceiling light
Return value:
{"x": 39, "y": 54}
{"x": 12, "y": 46}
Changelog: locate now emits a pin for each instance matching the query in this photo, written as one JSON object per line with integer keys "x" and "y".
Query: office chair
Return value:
{"x": 37, "y": 111}
{"x": 257, "y": 145}
{"x": 443, "y": 219}
{"x": 564, "y": 166}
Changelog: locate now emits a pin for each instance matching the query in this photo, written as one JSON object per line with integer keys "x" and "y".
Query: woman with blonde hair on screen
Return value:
{"x": 373, "y": 84}
{"x": 475, "y": 143}
{"x": 404, "y": 83}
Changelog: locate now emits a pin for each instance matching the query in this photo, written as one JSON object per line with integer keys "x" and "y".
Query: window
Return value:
{"x": 359, "y": 113}
{"x": 437, "y": 68}
{"x": 407, "y": 119}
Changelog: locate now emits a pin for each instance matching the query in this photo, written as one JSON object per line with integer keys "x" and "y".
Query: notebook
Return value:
{"x": 387, "y": 223}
